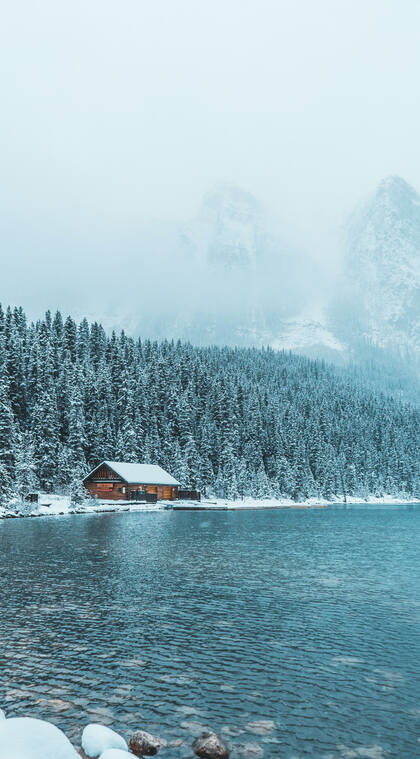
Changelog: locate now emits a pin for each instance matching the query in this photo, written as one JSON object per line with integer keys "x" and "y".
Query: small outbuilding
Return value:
{"x": 122, "y": 481}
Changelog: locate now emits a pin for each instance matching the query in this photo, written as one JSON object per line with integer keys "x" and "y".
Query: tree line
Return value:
{"x": 227, "y": 421}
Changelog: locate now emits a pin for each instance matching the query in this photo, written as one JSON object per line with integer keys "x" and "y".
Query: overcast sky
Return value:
{"x": 115, "y": 113}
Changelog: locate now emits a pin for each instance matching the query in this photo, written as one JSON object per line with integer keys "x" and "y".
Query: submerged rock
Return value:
{"x": 196, "y": 729}
{"x": 251, "y": 750}
{"x": 261, "y": 726}
{"x": 210, "y": 746}
{"x": 144, "y": 744}
{"x": 97, "y": 738}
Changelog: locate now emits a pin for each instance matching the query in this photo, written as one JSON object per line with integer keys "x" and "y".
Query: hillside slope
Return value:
{"x": 231, "y": 421}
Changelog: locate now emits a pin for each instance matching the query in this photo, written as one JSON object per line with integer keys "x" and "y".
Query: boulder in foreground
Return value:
{"x": 144, "y": 744}
{"x": 210, "y": 746}
{"x": 27, "y": 738}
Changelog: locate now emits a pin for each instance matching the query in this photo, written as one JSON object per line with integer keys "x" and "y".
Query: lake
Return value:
{"x": 295, "y": 633}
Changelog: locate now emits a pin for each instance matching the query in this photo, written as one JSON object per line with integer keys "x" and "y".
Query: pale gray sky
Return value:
{"x": 115, "y": 113}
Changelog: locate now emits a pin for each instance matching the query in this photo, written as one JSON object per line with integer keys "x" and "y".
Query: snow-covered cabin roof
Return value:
{"x": 145, "y": 474}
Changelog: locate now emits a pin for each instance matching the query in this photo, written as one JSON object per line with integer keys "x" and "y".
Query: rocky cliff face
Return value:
{"x": 228, "y": 231}
{"x": 382, "y": 267}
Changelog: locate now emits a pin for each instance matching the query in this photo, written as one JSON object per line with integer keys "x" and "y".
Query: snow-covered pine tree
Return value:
{"x": 26, "y": 480}
{"x": 77, "y": 491}
{"x": 193, "y": 464}
{"x": 45, "y": 439}
{"x": 6, "y": 490}
{"x": 7, "y": 427}
{"x": 77, "y": 426}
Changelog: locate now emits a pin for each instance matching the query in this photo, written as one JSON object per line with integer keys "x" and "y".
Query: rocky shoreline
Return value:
{"x": 28, "y": 738}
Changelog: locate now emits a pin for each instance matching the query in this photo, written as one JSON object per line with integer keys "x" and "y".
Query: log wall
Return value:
{"x": 118, "y": 490}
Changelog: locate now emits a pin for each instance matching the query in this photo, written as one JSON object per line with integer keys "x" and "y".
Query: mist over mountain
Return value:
{"x": 231, "y": 276}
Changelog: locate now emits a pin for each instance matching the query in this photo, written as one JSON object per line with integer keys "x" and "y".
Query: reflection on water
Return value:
{"x": 294, "y": 633}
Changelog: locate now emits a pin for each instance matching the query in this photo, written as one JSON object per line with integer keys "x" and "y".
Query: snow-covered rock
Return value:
{"x": 2, "y": 714}
{"x": 27, "y": 738}
{"x": 114, "y": 753}
{"x": 97, "y": 738}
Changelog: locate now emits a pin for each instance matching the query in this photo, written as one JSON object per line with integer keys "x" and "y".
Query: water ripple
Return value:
{"x": 294, "y": 633}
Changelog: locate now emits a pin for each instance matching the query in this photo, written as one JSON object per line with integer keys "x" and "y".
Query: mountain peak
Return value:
{"x": 391, "y": 212}
{"x": 394, "y": 183}
{"x": 397, "y": 191}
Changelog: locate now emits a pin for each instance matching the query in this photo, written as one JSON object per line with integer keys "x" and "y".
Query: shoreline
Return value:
{"x": 250, "y": 504}
{"x": 35, "y": 737}
{"x": 55, "y": 505}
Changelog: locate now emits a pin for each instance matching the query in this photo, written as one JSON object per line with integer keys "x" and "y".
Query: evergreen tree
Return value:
{"x": 45, "y": 438}
{"x": 6, "y": 491}
{"x": 7, "y": 427}
{"x": 77, "y": 433}
{"x": 26, "y": 480}
{"x": 77, "y": 491}
{"x": 192, "y": 461}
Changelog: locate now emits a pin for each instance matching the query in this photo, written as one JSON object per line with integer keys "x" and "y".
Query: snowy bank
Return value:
{"x": 59, "y": 505}
{"x": 222, "y": 504}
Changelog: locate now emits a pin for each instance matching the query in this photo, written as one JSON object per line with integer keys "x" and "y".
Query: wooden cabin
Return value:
{"x": 121, "y": 481}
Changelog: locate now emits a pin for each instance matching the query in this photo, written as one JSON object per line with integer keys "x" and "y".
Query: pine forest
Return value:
{"x": 230, "y": 422}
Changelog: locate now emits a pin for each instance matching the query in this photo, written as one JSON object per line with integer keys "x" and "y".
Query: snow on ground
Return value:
{"x": 307, "y": 330}
{"x": 27, "y": 738}
{"x": 283, "y": 503}
{"x": 59, "y": 505}
{"x": 98, "y": 738}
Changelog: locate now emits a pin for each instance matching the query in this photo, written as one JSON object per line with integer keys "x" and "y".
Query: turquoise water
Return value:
{"x": 295, "y": 632}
